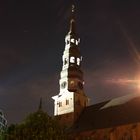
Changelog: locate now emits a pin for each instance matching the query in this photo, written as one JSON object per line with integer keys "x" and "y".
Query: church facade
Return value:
{"x": 116, "y": 119}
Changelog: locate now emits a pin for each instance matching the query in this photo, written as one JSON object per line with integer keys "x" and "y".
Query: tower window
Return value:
{"x": 72, "y": 59}
{"x": 60, "y": 104}
{"x": 68, "y": 42}
{"x": 78, "y": 61}
{"x": 65, "y": 61}
{"x": 76, "y": 42}
{"x": 72, "y": 40}
{"x": 63, "y": 85}
{"x": 67, "y": 102}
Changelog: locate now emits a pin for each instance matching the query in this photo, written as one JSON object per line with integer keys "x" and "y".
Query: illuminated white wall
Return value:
{"x": 64, "y": 108}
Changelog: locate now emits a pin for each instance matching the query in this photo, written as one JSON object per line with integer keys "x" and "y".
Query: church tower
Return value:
{"x": 71, "y": 99}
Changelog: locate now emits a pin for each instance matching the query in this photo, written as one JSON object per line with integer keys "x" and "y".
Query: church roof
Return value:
{"x": 118, "y": 111}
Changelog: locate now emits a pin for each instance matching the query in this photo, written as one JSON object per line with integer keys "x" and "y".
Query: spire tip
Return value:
{"x": 73, "y": 8}
{"x": 40, "y": 104}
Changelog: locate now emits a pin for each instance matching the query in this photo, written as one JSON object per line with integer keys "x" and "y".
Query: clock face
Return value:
{"x": 72, "y": 83}
{"x": 63, "y": 85}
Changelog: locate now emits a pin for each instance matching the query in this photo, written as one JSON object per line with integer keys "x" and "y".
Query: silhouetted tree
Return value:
{"x": 36, "y": 126}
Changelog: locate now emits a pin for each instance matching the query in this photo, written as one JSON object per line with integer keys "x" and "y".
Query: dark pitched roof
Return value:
{"x": 118, "y": 111}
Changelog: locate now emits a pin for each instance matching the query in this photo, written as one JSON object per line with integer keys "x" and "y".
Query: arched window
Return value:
{"x": 72, "y": 59}
{"x": 72, "y": 40}
{"x": 67, "y": 102}
{"x": 60, "y": 104}
{"x": 78, "y": 61}
{"x": 76, "y": 42}
{"x": 65, "y": 61}
{"x": 68, "y": 42}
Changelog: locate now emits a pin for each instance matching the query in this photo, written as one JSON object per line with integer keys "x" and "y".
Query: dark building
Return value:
{"x": 3, "y": 124}
{"x": 116, "y": 119}
{"x": 3, "y": 121}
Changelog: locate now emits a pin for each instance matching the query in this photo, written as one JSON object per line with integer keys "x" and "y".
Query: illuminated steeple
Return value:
{"x": 71, "y": 99}
{"x": 71, "y": 74}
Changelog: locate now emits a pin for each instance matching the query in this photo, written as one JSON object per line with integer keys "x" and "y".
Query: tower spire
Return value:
{"x": 72, "y": 21}
{"x": 40, "y": 104}
{"x": 73, "y": 10}
{"x": 71, "y": 99}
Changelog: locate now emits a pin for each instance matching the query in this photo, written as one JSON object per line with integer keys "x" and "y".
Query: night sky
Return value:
{"x": 32, "y": 42}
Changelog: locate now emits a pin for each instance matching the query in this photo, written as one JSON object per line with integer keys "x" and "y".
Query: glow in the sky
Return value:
{"x": 134, "y": 83}
{"x": 135, "y": 53}
{"x": 132, "y": 47}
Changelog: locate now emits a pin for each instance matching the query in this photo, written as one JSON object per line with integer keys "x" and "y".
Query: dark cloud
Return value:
{"x": 24, "y": 97}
